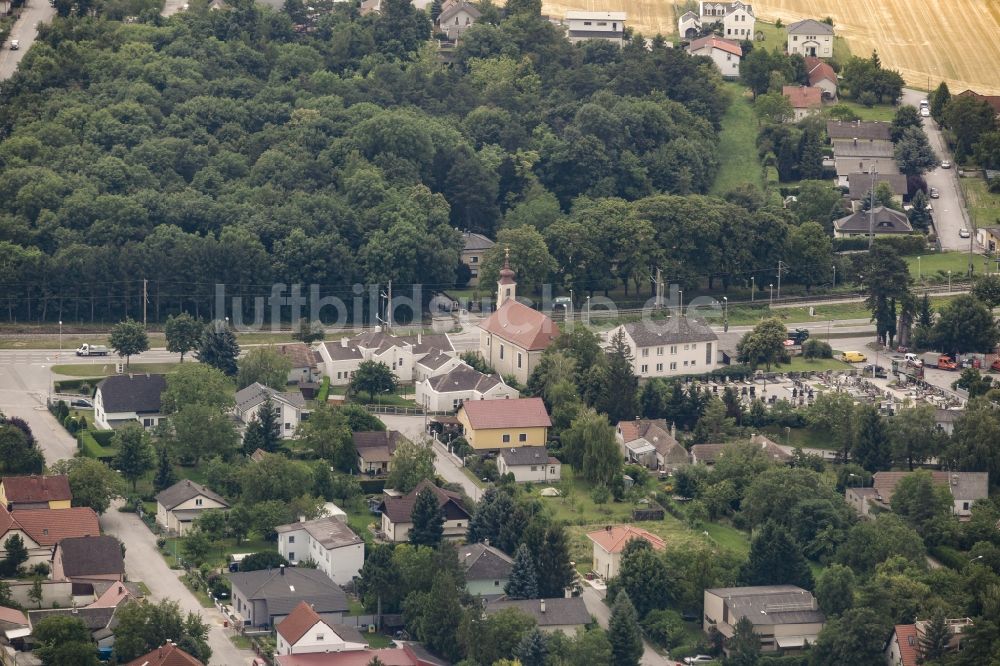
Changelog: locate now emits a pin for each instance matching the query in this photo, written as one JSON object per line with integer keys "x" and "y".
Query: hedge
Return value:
{"x": 904, "y": 245}
{"x": 324, "y": 391}
{"x": 74, "y": 385}
{"x": 949, "y": 557}
{"x": 88, "y": 443}
{"x": 372, "y": 486}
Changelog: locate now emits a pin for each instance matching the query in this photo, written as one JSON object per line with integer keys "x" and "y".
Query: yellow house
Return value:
{"x": 504, "y": 424}
{"x": 35, "y": 492}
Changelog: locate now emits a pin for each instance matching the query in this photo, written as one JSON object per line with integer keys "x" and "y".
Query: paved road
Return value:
{"x": 949, "y": 215}
{"x": 596, "y": 607}
{"x": 24, "y": 388}
{"x": 444, "y": 464}
{"x": 25, "y": 31}
{"x": 143, "y": 562}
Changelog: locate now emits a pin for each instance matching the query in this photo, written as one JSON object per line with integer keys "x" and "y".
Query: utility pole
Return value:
{"x": 871, "y": 208}
{"x": 779, "y": 279}
{"x": 145, "y": 300}
{"x": 659, "y": 288}
{"x": 388, "y": 308}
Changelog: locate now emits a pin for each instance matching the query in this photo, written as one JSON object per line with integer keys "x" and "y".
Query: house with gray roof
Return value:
{"x": 88, "y": 560}
{"x": 446, "y": 392}
{"x": 785, "y": 617}
{"x": 304, "y": 359}
{"x": 341, "y": 358}
{"x": 375, "y": 450}
{"x": 652, "y": 443}
{"x": 473, "y": 250}
{"x": 810, "y": 38}
{"x": 860, "y": 184}
{"x": 456, "y": 17}
{"x": 178, "y": 505}
{"x": 859, "y": 129}
{"x": 881, "y": 221}
{"x": 529, "y": 464}
{"x": 261, "y": 599}
{"x": 329, "y": 542}
{"x": 966, "y": 489}
{"x": 487, "y": 569}
{"x": 566, "y": 614}
{"x": 675, "y": 346}
{"x": 129, "y": 398}
{"x": 290, "y": 406}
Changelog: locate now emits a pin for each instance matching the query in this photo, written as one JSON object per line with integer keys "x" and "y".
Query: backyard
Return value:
{"x": 984, "y": 206}
{"x": 739, "y": 134}
{"x": 933, "y": 268}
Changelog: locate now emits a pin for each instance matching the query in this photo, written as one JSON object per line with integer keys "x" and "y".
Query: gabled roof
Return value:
{"x": 91, "y": 555}
{"x": 283, "y": 588}
{"x": 47, "y": 527}
{"x": 526, "y": 455}
{"x": 518, "y": 413}
{"x": 963, "y": 485}
{"x": 184, "y": 490}
{"x": 434, "y": 359}
{"x": 656, "y": 433}
{"x": 886, "y": 221}
{"x": 428, "y": 343}
{"x": 559, "y": 612}
{"x": 602, "y": 16}
{"x": 483, "y": 562}
{"x": 861, "y": 183}
{"x": 866, "y": 148}
{"x": 711, "y": 41}
{"x": 400, "y": 509}
{"x": 300, "y": 354}
{"x": 688, "y": 16}
{"x": 810, "y": 27}
{"x": 12, "y": 616}
{"x": 254, "y": 395}
{"x": 94, "y": 618}
{"x": 463, "y": 378}
{"x": 165, "y": 655}
{"x": 803, "y": 97}
{"x": 909, "y": 644}
{"x": 377, "y": 445}
{"x": 31, "y": 489}
{"x": 298, "y": 622}
{"x": 992, "y": 100}
{"x": 329, "y": 532}
{"x": 457, "y": 7}
{"x": 343, "y": 349}
{"x": 819, "y": 70}
{"x": 613, "y": 539}
{"x": 522, "y": 326}
{"x": 132, "y": 393}
{"x": 675, "y": 330}
{"x": 859, "y": 129}
{"x": 475, "y": 242}
{"x": 706, "y": 453}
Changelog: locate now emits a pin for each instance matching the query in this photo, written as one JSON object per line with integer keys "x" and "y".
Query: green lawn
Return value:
{"x": 98, "y": 370}
{"x": 575, "y": 505}
{"x": 774, "y": 38}
{"x": 729, "y": 537}
{"x": 834, "y": 311}
{"x": 739, "y": 135}
{"x": 984, "y": 206}
{"x": 241, "y": 641}
{"x": 883, "y": 112}
{"x": 933, "y": 268}
{"x": 377, "y": 641}
{"x": 800, "y": 364}
{"x": 801, "y": 437}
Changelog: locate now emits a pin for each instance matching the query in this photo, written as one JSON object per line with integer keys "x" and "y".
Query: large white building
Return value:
{"x": 737, "y": 18}
{"x": 290, "y": 406}
{"x": 329, "y": 542}
{"x": 444, "y": 393}
{"x": 725, "y": 53}
{"x": 811, "y": 38}
{"x": 675, "y": 346}
{"x": 608, "y": 26}
{"x": 341, "y": 358}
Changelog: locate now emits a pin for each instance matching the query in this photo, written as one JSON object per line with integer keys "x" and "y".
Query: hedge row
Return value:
{"x": 88, "y": 443}
{"x": 904, "y": 245}
{"x": 324, "y": 391}
{"x": 84, "y": 386}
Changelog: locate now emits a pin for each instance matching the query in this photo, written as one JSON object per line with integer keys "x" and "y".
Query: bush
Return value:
{"x": 91, "y": 447}
{"x": 664, "y": 627}
{"x": 814, "y": 348}
{"x": 867, "y": 98}
{"x": 949, "y": 557}
{"x": 324, "y": 391}
{"x": 103, "y": 437}
{"x": 600, "y": 494}
{"x": 265, "y": 560}
{"x": 161, "y": 542}
{"x": 40, "y": 569}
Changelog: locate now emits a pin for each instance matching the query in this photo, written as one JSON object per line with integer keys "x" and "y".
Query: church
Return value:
{"x": 513, "y": 338}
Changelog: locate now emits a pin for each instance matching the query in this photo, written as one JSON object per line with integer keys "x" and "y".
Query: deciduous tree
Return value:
{"x": 411, "y": 463}
{"x": 183, "y": 333}
{"x": 373, "y": 377}
{"x": 263, "y": 365}
{"x": 965, "y": 325}
{"x": 135, "y": 452}
{"x": 128, "y": 338}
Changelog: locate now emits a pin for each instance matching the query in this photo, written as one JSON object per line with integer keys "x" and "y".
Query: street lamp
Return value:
{"x": 753, "y": 286}
{"x": 60, "y": 338}
{"x": 949, "y": 281}
{"x": 588, "y": 310}
{"x": 770, "y": 296}
{"x": 835, "y": 276}
{"x": 920, "y": 273}
{"x": 680, "y": 302}
{"x": 725, "y": 308}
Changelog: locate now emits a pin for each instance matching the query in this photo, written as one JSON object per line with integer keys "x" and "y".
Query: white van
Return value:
{"x": 914, "y": 360}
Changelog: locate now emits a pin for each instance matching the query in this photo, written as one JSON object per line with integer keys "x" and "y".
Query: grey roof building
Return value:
{"x": 83, "y": 557}
{"x": 185, "y": 490}
{"x": 122, "y": 399}
{"x": 487, "y": 569}
{"x": 463, "y": 378}
{"x": 784, "y": 616}
{"x": 880, "y": 221}
{"x": 263, "y": 598}
{"x": 860, "y": 129}
{"x": 860, "y": 184}
{"x": 811, "y": 27}
{"x": 674, "y": 330}
{"x": 557, "y": 614}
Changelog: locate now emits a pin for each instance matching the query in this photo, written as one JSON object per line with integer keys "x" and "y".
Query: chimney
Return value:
{"x": 420, "y": 337}
{"x": 343, "y": 342}
{"x": 954, "y": 479}
{"x": 486, "y": 542}
{"x": 673, "y": 429}
{"x": 188, "y": 482}
{"x": 855, "y": 141}
{"x": 282, "y": 569}
{"x": 541, "y": 605}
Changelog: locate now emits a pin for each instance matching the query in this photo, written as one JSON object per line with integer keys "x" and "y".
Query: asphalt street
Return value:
{"x": 25, "y": 31}
{"x": 594, "y": 601}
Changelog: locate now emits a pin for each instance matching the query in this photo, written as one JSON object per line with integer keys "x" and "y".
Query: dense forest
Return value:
{"x": 234, "y": 147}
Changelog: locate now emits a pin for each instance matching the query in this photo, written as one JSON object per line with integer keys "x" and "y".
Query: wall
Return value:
{"x": 533, "y": 473}
{"x": 490, "y": 348}
{"x": 53, "y": 592}
{"x": 486, "y": 587}
{"x": 493, "y": 438}
{"x": 689, "y": 358}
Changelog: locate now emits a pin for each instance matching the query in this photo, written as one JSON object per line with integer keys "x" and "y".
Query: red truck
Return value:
{"x": 945, "y": 362}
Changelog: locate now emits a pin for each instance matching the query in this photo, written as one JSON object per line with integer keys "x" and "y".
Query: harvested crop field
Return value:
{"x": 648, "y": 17}
{"x": 952, "y": 40}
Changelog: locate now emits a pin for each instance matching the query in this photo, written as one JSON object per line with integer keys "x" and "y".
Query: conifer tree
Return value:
{"x": 775, "y": 559}
{"x": 428, "y": 519}
{"x": 523, "y": 583}
{"x": 624, "y": 632}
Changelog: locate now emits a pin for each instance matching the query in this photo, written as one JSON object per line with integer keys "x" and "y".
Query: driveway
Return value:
{"x": 143, "y": 562}
{"x": 949, "y": 214}
{"x": 25, "y": 31}
{"x": 412, "y": 427}
{"x": 596, "y": 607}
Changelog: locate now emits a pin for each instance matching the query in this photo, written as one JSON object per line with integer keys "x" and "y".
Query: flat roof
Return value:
{"x": 610, "y": 16}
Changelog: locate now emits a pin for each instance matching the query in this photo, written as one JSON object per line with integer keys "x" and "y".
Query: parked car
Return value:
{"x": 699, "y": 659}
{"x": 81, "y": 403}
{"x": 934, "y": 194}
{"x": 875, "y": 371}
{"x": 853, "y": 357}
{"x": 963, "y": 233}
{"x": 14, "y": 45}
{"x": 925, "y": 112}
{"x": 914, "y": 360}
{"x": 946, "y": 164}
{"x": 945, "y": 362}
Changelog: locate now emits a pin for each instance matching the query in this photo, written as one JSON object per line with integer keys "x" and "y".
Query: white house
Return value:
{"x": 475, "y": 247}
{"x": 178, "y": 505}
{"x": 811, "y": 38}
{"x": 676, "y": 346}
{"x": 396, "y": 513}
{"x": 529, "y": 464}
{"x": 725, "y": 53}
{"x": 437, "y": 362}
{"x": 456, "y": 17}
{"x": 444, "y": 393}
{"x": 329, "y": 542}
{"x": 611, "y": 541}
{"x": 609, "y": 26}
{"x": 341, "y": 358}
{"x": 304, "y": 360}
{"x": 651, "y": 442}
{"x": 304, "y": 631}
{"x": 291, "y": 406}
{"x": 688, "y": 25}
{"x": 805, "y": 100}
{"x": 131, "y": 398}
{"x": 737, "y": 19}
{"x": 822, "y": 76}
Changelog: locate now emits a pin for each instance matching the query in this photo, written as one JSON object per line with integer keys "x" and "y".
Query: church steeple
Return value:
{"x": 506, "y": 286}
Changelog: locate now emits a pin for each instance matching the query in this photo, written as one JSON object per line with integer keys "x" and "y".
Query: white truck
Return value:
{"x": 92, "y": 350}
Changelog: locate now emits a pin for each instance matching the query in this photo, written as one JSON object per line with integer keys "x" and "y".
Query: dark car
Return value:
{"x": 82, "y": 403}
{"x": 875, "y": 370}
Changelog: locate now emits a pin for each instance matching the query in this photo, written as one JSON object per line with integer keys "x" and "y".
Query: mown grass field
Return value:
{"x": 105, "y": 368}
{"x": 984, "y": 206}
{"x": 739, "y": 163}
{"x": 935, "y": 267}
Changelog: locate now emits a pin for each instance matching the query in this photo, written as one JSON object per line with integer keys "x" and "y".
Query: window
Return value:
{"x": 694, "y": 345}
{"x": 148, "y": 423}
{"x": 506, "y": 439}
{"x": 496, "y": 583}
{"x": 659, "y": 351}
{"x": 197, "y": 502}
{"x": 522, "y": 437}
{"x": 644, "y": 369}
{"x": 645, "y": 352}
{"x": 552, "y": 470}
{"x": 519, "y": 359}
{"x": 288, "y": 426}
{"x": 474, "y": 260}
{"x": 708, "y": 353}
{"x": 673, "y": 349}
{"x": 501, "y": 352}
{"x": 659, "y": 367}
{"x": 534, "y": 468}
{"x": 291, "y": 538}
{"x": 291, "y": 556}
{"x": 685, "y": 364}
{"x": 686, "y": 347}
{"x": 587, "y": 23}
{"x": 319, "y": 637}
{"x": 795, "y": 38}
{"x": 965, "y": 506}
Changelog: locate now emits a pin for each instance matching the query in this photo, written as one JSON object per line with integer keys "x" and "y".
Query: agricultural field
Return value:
{"x": 649, "y": 17}
{"x": 918, "y": 46}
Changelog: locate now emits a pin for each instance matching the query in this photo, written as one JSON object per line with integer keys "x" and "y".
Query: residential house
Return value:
{"x": 456, "y": 17}
{"x": 859, "y": 129}
{"x": 529, "y": 464}
{"x": 860, "y": 185}
{"x": 863, "y": 155}
{"x": 328, "y": 542}
{"x": 737, "y": 19}
{"x": 88, "y": 560}
{"x": 463, "y": 383}
{"x": 35, "y": 492}
{"x": 100, "y": 622}
{"x": 122, "y": 399}
{"x": 651, "y": 443}
{"x": 864, "y": 500}
{"x": 42, "y": 529}
{"x": 487, "y": 569}
{"x": 904, "y": 644}
{"x": 396, "y": 513}
{"x": 111, "y": 594}
{"x": 805, "y": 100}
{"x": 370, "y": 7}
{"x": 13, "y": 625}
{"x": 992, "y": 100}
{"x": 965, "y": 487}
{"x": 566, "y": 614}
{"x": 514, "y": 337}
{"x": 611, "y": 541}
{"x": 341, "y": 358}
{"x": 709, "y": 454}
{"x": 473, "y": 250}
{"x": 810, "y": 38}
{"x": 880, "y": 221}
{"x": 167, "y": 654}
{"x": 822, "y": 76}
{"x": 503, "y": 424}
{"x": 676, "y": 346}
{"x": 304, "y": 359}
{"x": 606, "y": 26}
{"x": 688, "y": 26}
{"x": 262, "y": 599}
{"x": 725, "y": 53}
{"x": 291, "y": 407}
{"x": 945, "y": 419}
{"x": 438, "y": 362}
{"x": 304, "y": 631}
{"x": 178, "y": 505}
{"x": 988, "y": 238}
{"x": 375, "y": 450}
{"x": 784, "y": 616}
